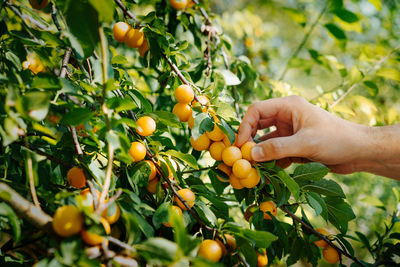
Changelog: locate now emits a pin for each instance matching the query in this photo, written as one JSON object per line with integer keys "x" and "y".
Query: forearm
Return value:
{"x": 383, "y": 151}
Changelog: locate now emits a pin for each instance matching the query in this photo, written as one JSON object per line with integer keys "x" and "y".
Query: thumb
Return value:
{"x": 278, "y": 148}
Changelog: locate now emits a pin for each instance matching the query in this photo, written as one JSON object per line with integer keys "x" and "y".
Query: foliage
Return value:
{"x": 82, "y": 112}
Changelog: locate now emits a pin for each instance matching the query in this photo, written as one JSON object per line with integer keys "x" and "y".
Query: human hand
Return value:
{"x": 305, "y": 133}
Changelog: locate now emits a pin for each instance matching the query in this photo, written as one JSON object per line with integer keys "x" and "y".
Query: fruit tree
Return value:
{"x": 119, "y": 122}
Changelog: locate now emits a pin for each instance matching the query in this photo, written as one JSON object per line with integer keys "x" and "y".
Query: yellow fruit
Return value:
{"x": 67, "y": 221}
{"x": 216, "y": 134}
{"x": 221, "y": 245}
{"x": 188, "y": 196}
{"x": 183, "y": 111}
{"x": 137, "y": 151}
{"x": 226, "y": 169}
{"x": 252, "y": 179}
{"x": 241, "y": 168}
{"x": 230, "y": 155}
{"x": 190, "y": 4}
{"x": 153, "y": 170}
{"x": 184, "y": 94}
{"x": 250, "y": 211}
{"x": 210, "y": 250}
{"x": 95, "y": 239}
{"x": 268, "y": 206}
{"x": 152, "y": 187}
{"x": 134, "y": 38}
{"x": 177, "y": 211}
{"x": 178, "y": 4}
{"x": 321, "y": 243}
{"x": 262, "y": 259}
{"x": 330, "y": 254}
{"x": 201, "y": 143}
{"x": 120, "y": 29}
{"x": 235, "y": 182}
{"x": 246, "y": 150}
{"x": 230, "y": 241}
{"x": 76, "y": 177}
{"x": 216, "y": 149}
{"x": 144, "y": 48}
{"x": 38, "y": 4}
{"x": 191, "y": 122}
{"x": 112, "y": 218}
{"x": 145, "y": 126}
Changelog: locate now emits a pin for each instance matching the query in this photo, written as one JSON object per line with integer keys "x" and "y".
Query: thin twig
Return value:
{"x": 315, "y": 232}
{"x": 54, "y": 16}
{"x": 109, "y": 202}
{"x": 93, "y": 191}
{"x": 304, "y": 41}
{"x": 126, "y": 10}
{"x": 31, "y": 178}
{"x": 200, "y": 169}
{"x": 120, "y": 243}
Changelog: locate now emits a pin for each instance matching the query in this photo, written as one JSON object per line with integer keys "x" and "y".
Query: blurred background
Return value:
{"x": 351, "y": 68}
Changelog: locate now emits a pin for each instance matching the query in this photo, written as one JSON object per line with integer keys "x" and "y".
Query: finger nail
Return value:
{"x": 257, "y": 153}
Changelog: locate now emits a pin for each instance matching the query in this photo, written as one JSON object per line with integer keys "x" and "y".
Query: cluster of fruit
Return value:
{"x": 134, "y": 38}
{"x": 181, "y": 4}
{"x": 33, "y": 65}
{"x": 329, "y": 253}
{"x": 236, "y": 161}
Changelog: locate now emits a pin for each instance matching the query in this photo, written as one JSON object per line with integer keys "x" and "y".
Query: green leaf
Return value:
{"x": 82, "y": 20}
{"x": 113, "y": 139}
{"x": 325, "y": 187}
{"x": 376, "y": 3}
{"x": 187, "y": 158}
{"x": 346, "y": 15}
{"x": 105, "y": 9}
{"x": 373, "y": 89}
{"x": 119, "y": 60}
{"x": 13, "y": 220}
{"x": 138, "y": 175}
{"x": 389, "y": 73}
{"x": 313, "y": 171}
{"x": 230, "y": 77}
{"x": 14, "y": 59}
{"x": 290, "y": 183}
{"x": 317, "y": 203}
{"x": 373, "y": 201}
{"x": 337, "y": 32}
{"x": 158, "y": 250}
{"x": 43, "y": 81}
{"x": 35, "y": 105}
{"x": 168, "y": 118}
{"x": 228, "y": 131}
{"x": 161, "y": 215}
{"x": 77, "y": 116}
{"x": 70, "y": 248}
{"x": 205, "y": 213}
{"x": 340, "y": 213}
{"x": 261, "y": 239}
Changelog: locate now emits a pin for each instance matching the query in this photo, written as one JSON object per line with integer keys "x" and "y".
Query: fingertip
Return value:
{"x": 257, "y": 153}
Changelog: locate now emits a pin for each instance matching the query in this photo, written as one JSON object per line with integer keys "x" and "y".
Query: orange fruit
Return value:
{"x": 178, "y": 4}
{"x": 190, "y": 4}
{"x": 230, "y": 155}
{"x": 95, "y": 239}
{"x": 330, "y": 254}
{"x": 120, "y": 30}
{"x": 134, "y": 38}
{"x": 144, "y": 48}
{"x": 145, "y": 126}
{"x": 210, "y": 250}
{"x": 201, "y": 143}
{"x": 152, "y": 187}
{"x": 268, "y": 206}
{"x": 235, "y": 182}
{"x": 114, "y": 216}
{"x": 191, "y": 122}
{"x": 184, "y": 94}
{"x": 262, "y": 259}
{"x": 183, "y": 111}
{"x": 246, "y": 150}
{"x": 188, "y": 196}
{"x": 216, "y": 134}
{"x": 68, "y": 220}
{"x": 137, "y": 151}
{"x": 177, "y": 211}
{"x": 153, "y": 170}
{"x": 38, "y": 4}
{"x": 250, "y": 211}
{"x": 76, "y": 177}
{"x": 322, "y": 243}
{"x": 230, "y": 241}
{"x": 216, "y": 149}
{"x": 226, "y": 169}
{"x": 241, "y": 168}
{"x": 221, "y": 245}
{"x": 252, "y": 179}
